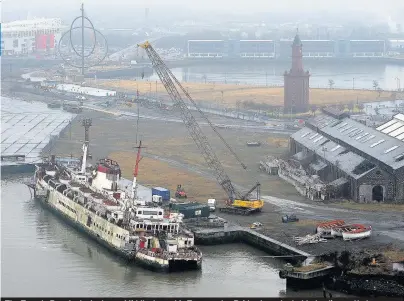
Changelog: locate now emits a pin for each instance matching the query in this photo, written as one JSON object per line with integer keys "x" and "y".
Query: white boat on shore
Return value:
{"x": 325, "y": 229}
{"x": 337, "y": 231}
{"x": 359, "y": 232}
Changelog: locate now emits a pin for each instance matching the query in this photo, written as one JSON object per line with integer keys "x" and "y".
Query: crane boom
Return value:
{"x": 195, "y": 131}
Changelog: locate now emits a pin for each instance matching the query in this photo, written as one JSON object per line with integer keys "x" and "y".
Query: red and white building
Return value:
{"x": 30, "y": 36}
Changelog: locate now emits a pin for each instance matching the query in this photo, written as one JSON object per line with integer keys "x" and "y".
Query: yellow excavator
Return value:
{"x": 238, "y": 203}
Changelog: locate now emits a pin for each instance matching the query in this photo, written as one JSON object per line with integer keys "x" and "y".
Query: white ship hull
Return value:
{"x": 357, "y": 235}
{"x": 90, "y": 200}
{"x": 151, "y": 262}
{"x": 109, "y": 234}
{"x": 105, "y": 232}
{"x": 168, "y": 263}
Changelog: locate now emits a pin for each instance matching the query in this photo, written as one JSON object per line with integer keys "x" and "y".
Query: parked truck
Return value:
{"x": 212, "y": 205}
{"x": 157, "y": 199}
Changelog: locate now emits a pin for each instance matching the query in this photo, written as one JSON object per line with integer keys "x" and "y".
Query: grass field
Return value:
{"x": 154, "y": 173}
{"x": 232, "y": 95}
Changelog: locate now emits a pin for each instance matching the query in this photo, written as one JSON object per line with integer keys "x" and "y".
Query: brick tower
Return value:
{"x": 296, "y": 82}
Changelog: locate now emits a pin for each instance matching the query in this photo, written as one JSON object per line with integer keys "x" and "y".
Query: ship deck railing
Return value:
{"x": 90, "y": 198}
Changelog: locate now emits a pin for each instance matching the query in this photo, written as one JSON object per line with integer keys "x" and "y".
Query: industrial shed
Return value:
{"x": 365, "y": 163}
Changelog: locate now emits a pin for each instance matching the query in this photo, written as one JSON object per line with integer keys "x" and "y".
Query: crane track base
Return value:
{"x": 238, "y": 211}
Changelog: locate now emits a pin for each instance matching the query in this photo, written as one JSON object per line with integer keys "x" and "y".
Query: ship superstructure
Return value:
{"x": 92, "y": 199}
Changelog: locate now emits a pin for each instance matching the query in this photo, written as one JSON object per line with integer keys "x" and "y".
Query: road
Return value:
{"x": 96, "y": 104}
{"x": 386, "y": 223}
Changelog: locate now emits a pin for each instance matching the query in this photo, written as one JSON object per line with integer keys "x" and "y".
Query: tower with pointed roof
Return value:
{"x": 296, "y": 82}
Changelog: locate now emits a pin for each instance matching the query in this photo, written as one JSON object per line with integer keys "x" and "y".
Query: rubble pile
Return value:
{"x": 365, "y": 272}
{"x": 368, "y": 287}
{"x": 309, "y": 239}
{"x": 365, "y": 263}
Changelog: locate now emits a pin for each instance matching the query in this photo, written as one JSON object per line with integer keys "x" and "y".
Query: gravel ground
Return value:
{"x": 273, "y": 227}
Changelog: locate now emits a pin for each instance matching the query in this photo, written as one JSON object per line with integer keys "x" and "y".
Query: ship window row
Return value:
{"x": 108, "y": 232}
{"x": 149, "y": 227}
{"x": 67, "y": 206}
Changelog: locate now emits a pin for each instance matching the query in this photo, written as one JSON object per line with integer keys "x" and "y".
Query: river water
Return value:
{"x": 43, "y": 256}
{"x": 344, "y": 75}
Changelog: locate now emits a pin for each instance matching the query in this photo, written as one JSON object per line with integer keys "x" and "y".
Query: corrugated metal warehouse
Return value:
{"x": 369, "y": 161}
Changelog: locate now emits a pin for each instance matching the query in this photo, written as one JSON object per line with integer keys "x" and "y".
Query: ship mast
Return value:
{"x": 135, "y": 172}
{"x": 86, "y": 124}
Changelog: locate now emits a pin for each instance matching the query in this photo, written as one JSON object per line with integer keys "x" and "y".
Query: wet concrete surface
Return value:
{"x": 381, "y": 222}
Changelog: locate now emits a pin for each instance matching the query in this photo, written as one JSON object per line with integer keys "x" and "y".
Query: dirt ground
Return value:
{"x": 231, "y": 95}
{"x": 170, "y": 143}
{"x": 153, "y": 172}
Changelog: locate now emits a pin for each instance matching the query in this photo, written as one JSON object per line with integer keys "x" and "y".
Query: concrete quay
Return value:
{"x": 234, "y": 233}
{"x": 312, "y": 276}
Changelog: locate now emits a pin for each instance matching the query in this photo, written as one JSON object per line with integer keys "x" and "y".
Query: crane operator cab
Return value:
{"x": 246, "y": 204}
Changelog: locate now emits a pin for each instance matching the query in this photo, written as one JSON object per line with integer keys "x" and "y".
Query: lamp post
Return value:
{"x": 398, "y": 83}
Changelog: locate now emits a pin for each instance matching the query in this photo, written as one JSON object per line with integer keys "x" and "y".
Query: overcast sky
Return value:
{"x": 383, "y": 8}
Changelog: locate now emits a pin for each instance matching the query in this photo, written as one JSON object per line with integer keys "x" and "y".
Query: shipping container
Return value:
{"x": 163, "y": 192}
{"x": 177, "y": 206}
{"x": 195, "y": 211}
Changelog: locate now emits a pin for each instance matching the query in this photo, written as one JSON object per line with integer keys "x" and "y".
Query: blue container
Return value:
{"x": 163, "y": 192}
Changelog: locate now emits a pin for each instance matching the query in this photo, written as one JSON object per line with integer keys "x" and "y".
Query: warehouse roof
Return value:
{"x": 394, "y": 127}
{"x": 331, "y": 152}
{"x": 364, "y": 140}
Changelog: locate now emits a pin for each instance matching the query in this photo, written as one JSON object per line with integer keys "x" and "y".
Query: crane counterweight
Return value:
{"x": 239, "y": 204}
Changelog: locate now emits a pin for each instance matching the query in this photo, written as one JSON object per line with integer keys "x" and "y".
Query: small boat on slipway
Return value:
{"x": 357, "y": 232}
{"x": 325, "y": 229}
{"x": 338, "y": 228}
{"x": 337, "y": 231}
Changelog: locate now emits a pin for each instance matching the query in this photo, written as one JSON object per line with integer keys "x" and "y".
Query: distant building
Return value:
{"x": 367, "y": 48}
{"x": 205, "y": 48}
{"x": 367, "y": 163}
{"x": 296, "y": 82}
{"x": 30, "y": 36}
{"x": 312, "y": 48}
{"x": 257, "y": 48}
{"x": 396, "y": 46}
{"x": 280, "y": 49}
